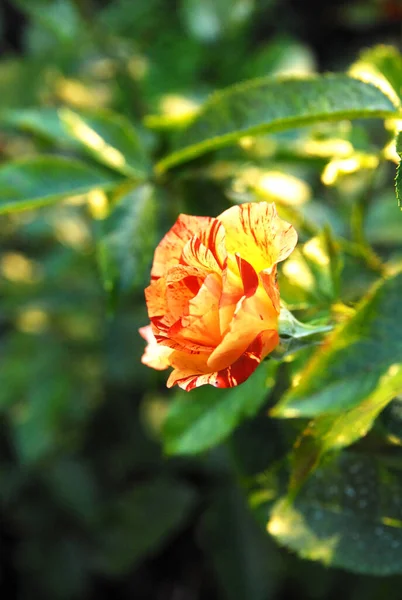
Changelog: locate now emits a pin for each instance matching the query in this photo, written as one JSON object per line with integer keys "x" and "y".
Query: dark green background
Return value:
{"x": 89, "y": 505}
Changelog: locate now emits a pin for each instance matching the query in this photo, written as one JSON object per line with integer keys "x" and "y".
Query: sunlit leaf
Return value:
{"x": 38, "y": 181}
{"x": 311, "y": 275}
{"x": 42, "y": 122}
{"x": 332, "y": 432}
{"x": 272, "y": 105}
{"x": 354, "y": 359}
{"x": 383, "y": 66}
{"x": 111, "y": 138}
{"x": 347, "y": 515}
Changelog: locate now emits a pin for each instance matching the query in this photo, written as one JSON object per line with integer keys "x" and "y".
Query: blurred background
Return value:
{"x": 90, "y": 505}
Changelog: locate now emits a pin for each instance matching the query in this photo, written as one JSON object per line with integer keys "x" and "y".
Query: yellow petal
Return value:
{"x": 256, "y": 232}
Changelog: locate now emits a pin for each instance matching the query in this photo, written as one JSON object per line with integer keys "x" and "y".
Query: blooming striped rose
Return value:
{"x": 213, "y": 301}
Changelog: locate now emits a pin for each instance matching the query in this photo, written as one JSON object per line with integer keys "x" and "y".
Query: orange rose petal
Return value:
{"x": 187, "y": 381}
{"x": 239, "y": 279}
{"x": 201, "y": 324}
{"x": 195, "y": 253}
{"x": 182, "y": 284}
{"x": 213, "y": 237}
{"x": 271, "y": 288}
{"x": 169, "y": 250}
{"x": 240, "y": 335}
{"x": 251, "y": 316}
{"x": 155, "y": 356}
{"x": 246, "y": 364}
{"x": 233, "y": 375}
{"x": 185, "y": 361}
{"x": 190, "y": 370}
{"x": 255, "y": 232}
{"x": 155, "y": 298}
{"x": 232, "y": 292}
{"x": 182, "y": 345}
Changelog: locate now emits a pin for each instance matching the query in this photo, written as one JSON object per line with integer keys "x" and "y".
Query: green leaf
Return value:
{"x": 21, "y": 82}
{"x": 140, "y": 521}
{"x": 209, "y": 20}
{"x": 44, "y": 393}
{"x": 276, "y": 104}
{"x": 332, "y": 432}
{"x": 355, "y": 360}
{"x": 245, "y": 561}
{"x": 42, "y": 122}
{"x": 195, "y": 424}
{"x": 60, "y": 17}
{"x": 281, "y": 55}
{"x": 382, "y": 63}
{"x": 126, "y": 247}
{"x": 383, "y": 222}
{"x": 72, "y": 485}
{"x": 38, "y": 181}
{"x": 398, "y": 179}
{"x": 110, "y": 138}
{"x": 391, "y": 421}
{"x": 348, "y": 515}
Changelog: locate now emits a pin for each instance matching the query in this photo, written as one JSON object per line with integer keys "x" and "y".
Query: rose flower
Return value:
{"x": 213, "y": 301}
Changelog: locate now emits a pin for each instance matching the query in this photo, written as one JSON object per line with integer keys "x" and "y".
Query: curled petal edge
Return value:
{"x": 155, "y": 355}
{"x": 233, "y": 375}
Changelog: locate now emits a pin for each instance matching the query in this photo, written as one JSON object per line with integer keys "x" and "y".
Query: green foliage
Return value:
{"x": 35, "y": 182}
{"x": 386, "y": 62}
{"x": 348, "y": 369}
{"x": 115, "y": 117}
{"x": 348, "y": 515}
{"x": 129, "y": 226}
{"x": 253, "y": 107}
{"x": 398, "y": 180}
{"x": 111, "y": 139}
{"x": 244, "y": 559}
{"x": 203, "y": 421}
{"x": 134, "y": 525}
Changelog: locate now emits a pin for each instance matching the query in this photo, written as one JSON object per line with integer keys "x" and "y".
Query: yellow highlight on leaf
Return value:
{"x": 177, "y": 107}
{"x": 17, "y": 268}
{"x": 93, "y": 140}
{"x": 298, "y": 274}
{"x": 273, "y": 185}
{"x": 285, "y": 187}
{"x": 32, "y": 320}
{"x": 390, "y": 152}
{"x": 75, "y": 93}
{"x": 369, "y": 74}
{"x": 72, "y": 232}
{"x": 328, "y": 148}
{"x": 313, "y": 251}
{"x": 98, "y": 204}
{"x": 346, "y": 166}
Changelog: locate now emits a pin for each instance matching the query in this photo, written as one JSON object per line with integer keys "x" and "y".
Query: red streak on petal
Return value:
{"x": 248, "y": 276}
